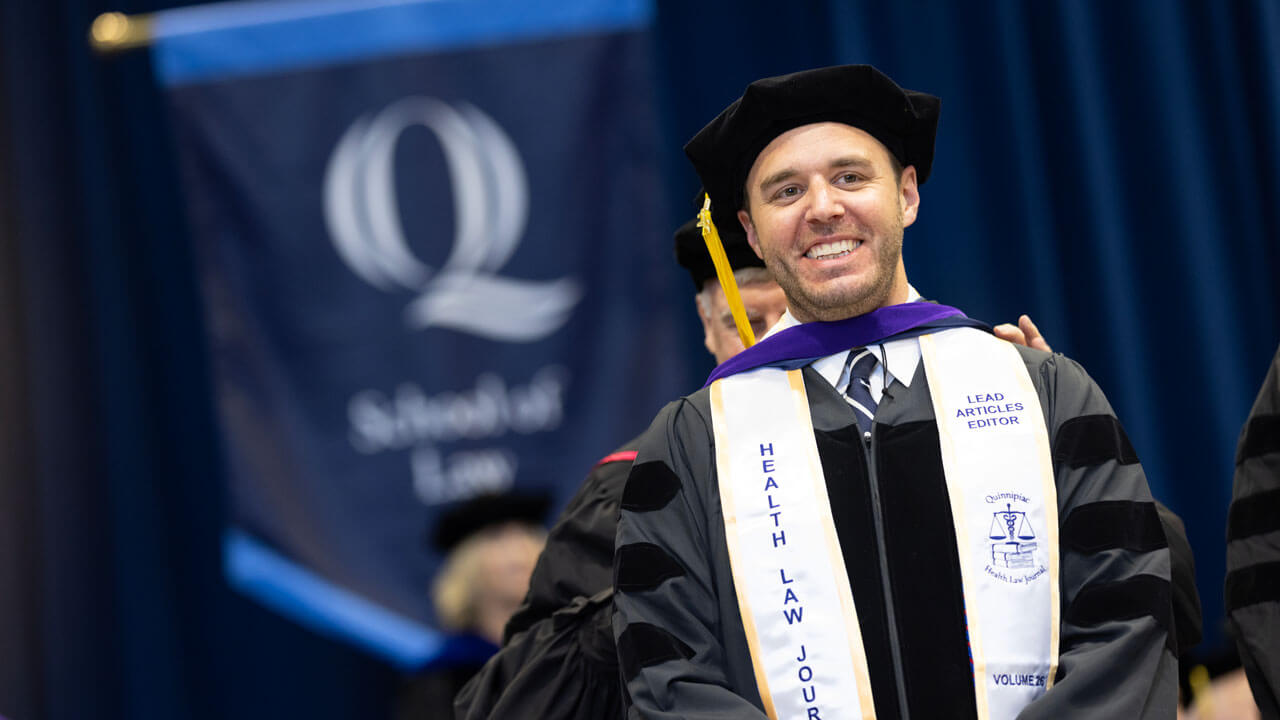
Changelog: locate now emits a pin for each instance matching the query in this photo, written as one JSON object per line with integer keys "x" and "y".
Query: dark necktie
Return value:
{"x": 861, "y": 363}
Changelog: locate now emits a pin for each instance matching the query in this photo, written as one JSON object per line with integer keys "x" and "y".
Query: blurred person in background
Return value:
{"x": 490, "y": 544}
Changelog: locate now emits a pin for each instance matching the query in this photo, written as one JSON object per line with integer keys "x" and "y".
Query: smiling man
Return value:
{"x": 879, "y": 510}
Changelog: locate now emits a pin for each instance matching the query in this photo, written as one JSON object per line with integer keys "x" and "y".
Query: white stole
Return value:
{"x": 793, "y": 589}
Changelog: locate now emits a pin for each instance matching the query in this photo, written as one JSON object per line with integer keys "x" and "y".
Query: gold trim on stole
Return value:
{"x": 1049, "y": 487}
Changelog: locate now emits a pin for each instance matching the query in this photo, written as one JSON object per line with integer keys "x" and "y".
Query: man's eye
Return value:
{"x": 789, "y": 191}
{"x": 848, "y": 178}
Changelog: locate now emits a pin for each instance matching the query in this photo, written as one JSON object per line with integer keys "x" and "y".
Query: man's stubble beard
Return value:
{"x": 838, "y": 305}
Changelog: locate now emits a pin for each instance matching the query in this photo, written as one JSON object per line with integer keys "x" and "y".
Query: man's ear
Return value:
{"x": 750, "y": 228}
{"x": 909, "y": 195}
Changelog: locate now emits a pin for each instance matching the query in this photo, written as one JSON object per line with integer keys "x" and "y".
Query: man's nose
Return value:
{"x": 823, "y": 204}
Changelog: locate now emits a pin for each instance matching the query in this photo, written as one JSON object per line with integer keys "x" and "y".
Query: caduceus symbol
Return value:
{"x": 1010, "y": 517}
{"x": 491, "y": 207}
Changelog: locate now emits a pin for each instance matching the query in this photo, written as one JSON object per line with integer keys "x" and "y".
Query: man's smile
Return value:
{"x": 833, "y": 249}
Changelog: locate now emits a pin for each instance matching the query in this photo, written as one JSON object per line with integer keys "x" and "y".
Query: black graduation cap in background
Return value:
{"x": 485, "y": 511}
{"x": 692, "y": 253}
{"x": 905, "y": 121}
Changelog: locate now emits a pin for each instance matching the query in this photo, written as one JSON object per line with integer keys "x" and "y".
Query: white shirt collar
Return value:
{"x": 898, "y": 360}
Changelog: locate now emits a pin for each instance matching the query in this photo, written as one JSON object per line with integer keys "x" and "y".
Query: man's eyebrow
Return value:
{"x": 851, "y": 161}
{"x": 777, "y": 177}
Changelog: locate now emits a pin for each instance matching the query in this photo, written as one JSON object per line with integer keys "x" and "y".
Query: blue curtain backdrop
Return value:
{"x": 1108, "y": 167}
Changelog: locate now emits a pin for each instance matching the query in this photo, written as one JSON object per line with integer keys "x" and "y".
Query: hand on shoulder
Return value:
{"x": 1025, "y": 333}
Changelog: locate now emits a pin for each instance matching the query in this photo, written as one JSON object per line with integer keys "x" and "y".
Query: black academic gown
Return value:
{"x": 1253, "y": 547}
{"x": 680, "y": 637}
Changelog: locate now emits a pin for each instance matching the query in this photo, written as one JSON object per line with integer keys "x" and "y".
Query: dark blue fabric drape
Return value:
{"x": 1111, "y": 169}
{"x": 1108, "y": 167}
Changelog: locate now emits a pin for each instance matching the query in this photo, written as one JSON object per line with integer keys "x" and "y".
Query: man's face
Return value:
{"x": 764, "y": 303}
{"x": 826, "y": 214}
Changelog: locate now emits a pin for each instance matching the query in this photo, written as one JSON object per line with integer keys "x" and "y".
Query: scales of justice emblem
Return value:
{"x": 1017, "y": 546}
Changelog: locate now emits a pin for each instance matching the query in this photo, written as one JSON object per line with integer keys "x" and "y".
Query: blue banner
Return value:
{"x": 433, "y": 257}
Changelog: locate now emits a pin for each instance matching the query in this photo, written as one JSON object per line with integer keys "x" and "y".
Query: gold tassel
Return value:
{"x": 725, "y": 274}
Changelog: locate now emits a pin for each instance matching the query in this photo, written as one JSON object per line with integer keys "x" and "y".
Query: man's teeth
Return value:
{"x": 833, "y": 249}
